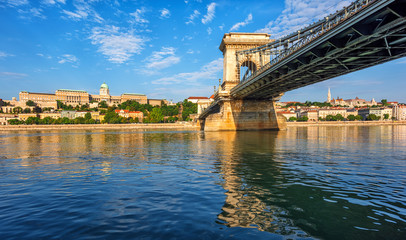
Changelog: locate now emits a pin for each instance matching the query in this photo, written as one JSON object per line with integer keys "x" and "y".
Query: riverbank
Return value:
{"x": 345, "y": 123}
{"x": 137, "y": 126}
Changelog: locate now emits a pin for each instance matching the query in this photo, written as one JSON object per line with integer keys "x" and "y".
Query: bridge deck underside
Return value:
{"x": 357, "y": 43}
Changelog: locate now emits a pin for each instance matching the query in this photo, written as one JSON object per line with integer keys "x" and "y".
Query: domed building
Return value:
{"x": 104, "y": 90}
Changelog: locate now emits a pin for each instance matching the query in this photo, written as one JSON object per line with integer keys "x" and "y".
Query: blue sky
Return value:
{"x": 165, "y": 49}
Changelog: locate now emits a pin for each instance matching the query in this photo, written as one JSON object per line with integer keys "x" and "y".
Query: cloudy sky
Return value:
{"x": 162, "y": 48}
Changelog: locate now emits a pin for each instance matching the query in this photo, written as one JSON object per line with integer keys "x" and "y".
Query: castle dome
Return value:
{"x": 104, "y": 85}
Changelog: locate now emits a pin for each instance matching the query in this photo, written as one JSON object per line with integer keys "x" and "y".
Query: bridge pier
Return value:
{"x": 235, "y": 115}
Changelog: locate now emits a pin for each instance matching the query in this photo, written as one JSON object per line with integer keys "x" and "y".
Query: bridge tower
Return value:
{"x": 232, "y": 113}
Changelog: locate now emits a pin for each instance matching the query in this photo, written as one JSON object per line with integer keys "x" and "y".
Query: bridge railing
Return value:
{"x": 285, "y": 46}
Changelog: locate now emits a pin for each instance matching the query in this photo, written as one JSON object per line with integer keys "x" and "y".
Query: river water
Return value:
{"x": 303, "y": 183}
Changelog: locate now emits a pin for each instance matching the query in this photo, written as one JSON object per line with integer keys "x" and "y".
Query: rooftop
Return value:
{"x": 70, "y": 90}
{"x": 198, "y": 98}
{"x": 134, "y": 94}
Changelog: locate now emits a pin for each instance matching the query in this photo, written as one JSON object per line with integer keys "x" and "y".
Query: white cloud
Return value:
{"x": 44, "y": 56}
{"x": 53, "y": 2}
{"x": 300, "y": 13}
{"x": 190, "y": 51}
{"x": 16, "y": 3}
{"x": 4, "y": 55}
{"x": 139, "y": 16}
{"x": 165, "y": 13}
{"x": 118, "y": 46}
{"x": 209, "y": 30}
{"x": 83, "y": 11}
{"x": 209, "y": 71}
{"x": 12, "y": 75}
{"x": 162, "y": 59}
{"x": 30, "y": 13}
{"x": 211, "y": 9}
{"x": 193, "y": 16}
{"x": 236, "y": 26}
{"x": 68, "y": 58}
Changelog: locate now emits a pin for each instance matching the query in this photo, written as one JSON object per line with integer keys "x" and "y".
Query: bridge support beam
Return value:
{"x": 235, "y": 115}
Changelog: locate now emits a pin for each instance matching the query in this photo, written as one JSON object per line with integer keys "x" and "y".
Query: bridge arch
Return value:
{"x": 245, "y": 68}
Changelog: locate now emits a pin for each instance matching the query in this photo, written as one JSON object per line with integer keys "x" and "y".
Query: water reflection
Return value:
{"x": 307, "y": 182}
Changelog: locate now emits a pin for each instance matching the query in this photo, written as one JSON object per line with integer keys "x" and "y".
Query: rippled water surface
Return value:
{"x": 304, "y": 183}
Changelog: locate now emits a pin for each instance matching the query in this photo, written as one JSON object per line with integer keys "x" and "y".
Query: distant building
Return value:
{"x": 379, "y": 112}
{"x": 54, "y": 115}
{"x": 399, "y": 112}
{"x": 5, "y": 117}
{"x": 68, "y": 114}
{"x": 140, "y": 98}
{"x": 312, "y": 115}
{"x": 76, "y": 97}
{"x": 288, "y": 115}
{"x": 128, "y": 114}
{"x": 196, "y": 99}
{"x": 157, "y": 102}
{"x": 25, "y": 116}
{"x": 350, "y": 102}
{"x": 323, "y": 113}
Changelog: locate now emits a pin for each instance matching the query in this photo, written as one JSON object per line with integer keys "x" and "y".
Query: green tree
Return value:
{"x": 156, "y": 115}
{"x": 79, "y": 120}
{"x": 351, "y": 117}
{"x": 386, "y": 116}
{"x": 27, "y": 110}
{"x": 358, "y": 117}
{"x": 339, "y": 117}
{"x": 331, "y": 118}
{"x": 37, "y": 109}
{"x": 303, "y": 119}
{"x": 188, "y": 108}
{"x": 372, "y": 117}
{"x": 17, "y": 110}
{"x": 88, "y": 116}
{"x": 384, "y": 102}
{"x": 111, "y": 117}
{"x": 292, "y": 119}
{"x": 32, "y": 120}
{"x": 15, "y": 122}
{"x": 103, "y": 104}
{"x": 30, "y": 103}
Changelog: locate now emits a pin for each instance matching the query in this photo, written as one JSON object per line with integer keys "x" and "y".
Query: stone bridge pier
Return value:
{"x": 228, "y": 113}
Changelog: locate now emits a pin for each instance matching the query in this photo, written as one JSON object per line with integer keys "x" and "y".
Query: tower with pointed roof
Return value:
{"x": 329, "y": 96}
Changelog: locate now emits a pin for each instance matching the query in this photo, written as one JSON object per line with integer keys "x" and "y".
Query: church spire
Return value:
{"x": 329, "y": 95}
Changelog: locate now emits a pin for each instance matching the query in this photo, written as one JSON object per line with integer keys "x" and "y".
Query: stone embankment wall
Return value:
{"x": 345, "y": 123}
{"x": 152, "y": 126}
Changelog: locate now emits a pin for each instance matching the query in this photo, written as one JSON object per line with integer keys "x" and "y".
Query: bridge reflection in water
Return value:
{"x": 314, "y": 181}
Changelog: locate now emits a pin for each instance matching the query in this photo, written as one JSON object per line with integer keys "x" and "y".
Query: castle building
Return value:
{"x": 357, "y": 102}
{"x": 77, "y": 97}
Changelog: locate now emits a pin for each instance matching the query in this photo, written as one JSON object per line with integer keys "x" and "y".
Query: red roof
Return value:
{"x": 118, "y": 110}
{"x": 212, "y": 96}
{"x": 198, "y": 98}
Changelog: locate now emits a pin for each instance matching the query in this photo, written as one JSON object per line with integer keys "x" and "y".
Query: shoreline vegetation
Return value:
{"x": 129, "y": 126}
{"x": 181, "y": 126}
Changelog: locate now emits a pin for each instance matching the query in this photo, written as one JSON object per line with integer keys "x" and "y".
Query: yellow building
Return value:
{"x": 140, "y": 98}
{"x": 72, "y": 97}
{"x": 41, "y": 99}
{"x": 54, "y": 115}
{"x": 25, "y": 116}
